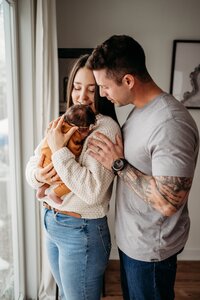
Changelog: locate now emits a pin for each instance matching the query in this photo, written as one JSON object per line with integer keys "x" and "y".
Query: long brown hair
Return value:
{"x": 102, "y": 104}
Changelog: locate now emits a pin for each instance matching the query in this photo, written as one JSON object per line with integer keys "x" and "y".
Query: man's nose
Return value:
{"x": 102, "y": 92}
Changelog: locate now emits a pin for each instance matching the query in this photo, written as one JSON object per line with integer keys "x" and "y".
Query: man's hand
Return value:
{"x": 105, "y": 151}
{"x": 56, "y": 139}
{"x": 47, "y": 174}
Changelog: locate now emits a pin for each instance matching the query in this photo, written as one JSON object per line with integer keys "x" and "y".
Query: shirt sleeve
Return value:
{"x": 173, "y": 148}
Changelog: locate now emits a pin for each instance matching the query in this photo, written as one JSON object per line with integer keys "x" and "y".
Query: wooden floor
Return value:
{"x": 187, "y": 281}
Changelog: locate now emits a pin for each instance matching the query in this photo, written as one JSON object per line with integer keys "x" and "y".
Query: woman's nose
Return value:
{"x": 84, "y": 99}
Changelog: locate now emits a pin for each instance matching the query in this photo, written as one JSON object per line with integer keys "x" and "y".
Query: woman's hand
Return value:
{"x": 104, "y": 150}
{"x": 47, "y": 174}
{"x": 56, "y": 139}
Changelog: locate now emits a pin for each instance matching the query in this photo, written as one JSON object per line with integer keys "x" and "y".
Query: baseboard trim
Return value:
{"x": 189, "y": 254}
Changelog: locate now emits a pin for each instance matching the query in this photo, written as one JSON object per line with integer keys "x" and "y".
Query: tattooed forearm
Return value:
{"x": 136, "y": 180}
{"x": 177, "y": 184}
{"x": 174, "y": 189}
{"x": 164, "y": 193}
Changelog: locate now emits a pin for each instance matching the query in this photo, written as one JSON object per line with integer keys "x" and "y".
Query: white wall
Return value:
{"x": 155, "y": 24}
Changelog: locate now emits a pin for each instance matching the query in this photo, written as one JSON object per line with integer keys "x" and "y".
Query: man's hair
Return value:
{"x": 120, "y": 55}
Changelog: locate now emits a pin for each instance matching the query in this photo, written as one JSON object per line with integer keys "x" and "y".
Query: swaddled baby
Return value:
{"x": 84, "y": 118}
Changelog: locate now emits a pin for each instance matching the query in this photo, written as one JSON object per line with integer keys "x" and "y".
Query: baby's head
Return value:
{"x": 81, "y": 116}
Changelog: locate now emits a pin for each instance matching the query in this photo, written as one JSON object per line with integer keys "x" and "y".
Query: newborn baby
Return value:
{"x": 84, "y": 118}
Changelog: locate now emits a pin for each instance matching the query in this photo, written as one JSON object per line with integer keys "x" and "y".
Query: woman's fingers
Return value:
{"x": 49, "y": 172}
{"x": 41, "y": 161}
{"x": 45, "y": 174}
{"x": 69, "y": 134}
{"x": 51, "y": 124}
{"x": 60, "y": 122}
{"x": 47, "y": 169}
{"x": 57, "y": 122}
{"x": 55, "y": 137}
{"x": 56, "y": 179}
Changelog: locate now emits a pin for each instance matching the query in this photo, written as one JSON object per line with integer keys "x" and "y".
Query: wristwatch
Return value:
{"x": 118, "y": 165}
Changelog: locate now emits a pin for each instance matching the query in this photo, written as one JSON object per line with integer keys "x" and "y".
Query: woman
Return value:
{"x": 77, "y": 234}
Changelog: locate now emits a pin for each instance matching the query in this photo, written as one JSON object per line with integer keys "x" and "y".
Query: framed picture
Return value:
{"x": 66, "y": 59}
{"x": 185, "y": 72}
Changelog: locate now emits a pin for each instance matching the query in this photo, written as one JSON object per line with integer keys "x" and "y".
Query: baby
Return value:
{"x": 84, "y": 118}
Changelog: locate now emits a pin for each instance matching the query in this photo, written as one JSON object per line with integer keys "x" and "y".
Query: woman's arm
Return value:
{"x": 36, "y": 175}
{"x": 88, "y": 179}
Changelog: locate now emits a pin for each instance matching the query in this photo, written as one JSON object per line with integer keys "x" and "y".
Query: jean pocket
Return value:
{"x": 68, "y": 221}
{"x": 105, "y": 238}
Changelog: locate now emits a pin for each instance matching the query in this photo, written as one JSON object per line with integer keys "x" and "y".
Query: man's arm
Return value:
{"x": 165, "y": 193}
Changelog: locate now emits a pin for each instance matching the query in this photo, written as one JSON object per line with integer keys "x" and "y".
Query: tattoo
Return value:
{"x": 165, "y": 193}
{"x": 174, "y": 189}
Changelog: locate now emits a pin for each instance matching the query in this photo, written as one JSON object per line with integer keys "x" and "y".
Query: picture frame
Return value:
{"x": 66, "y": 59}
{"x": 185, "y": 72}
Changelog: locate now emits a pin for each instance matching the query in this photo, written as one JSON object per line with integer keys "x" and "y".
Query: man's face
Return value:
{"x": 118, "y": 94}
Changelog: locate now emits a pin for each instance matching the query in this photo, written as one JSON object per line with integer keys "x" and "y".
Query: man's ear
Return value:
{"x": 129, "y": 80}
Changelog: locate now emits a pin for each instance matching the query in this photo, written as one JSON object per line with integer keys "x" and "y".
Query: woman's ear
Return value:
{"x": 129, "y": 80}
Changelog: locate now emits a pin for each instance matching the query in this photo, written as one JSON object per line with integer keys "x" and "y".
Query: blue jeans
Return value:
{"x": 147, "y": 280}
{"x": 78, "y": 252}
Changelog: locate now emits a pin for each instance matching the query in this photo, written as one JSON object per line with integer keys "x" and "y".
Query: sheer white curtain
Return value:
{"x": 46, "y": 104}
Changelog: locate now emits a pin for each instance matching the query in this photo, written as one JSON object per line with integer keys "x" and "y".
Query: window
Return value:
{"x": 11, "y": 267}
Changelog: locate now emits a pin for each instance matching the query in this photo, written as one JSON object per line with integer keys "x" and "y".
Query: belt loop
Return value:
{"x": 54, "y": 211}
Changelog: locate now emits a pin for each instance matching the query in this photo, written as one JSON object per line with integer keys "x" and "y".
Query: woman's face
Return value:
{"x": 84, "y": 88}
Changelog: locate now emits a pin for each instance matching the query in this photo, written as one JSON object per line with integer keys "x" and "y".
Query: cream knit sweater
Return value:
{"x": 90, "y": 183}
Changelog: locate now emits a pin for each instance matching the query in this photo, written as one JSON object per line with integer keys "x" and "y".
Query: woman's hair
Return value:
{"x": 102, "y": 104}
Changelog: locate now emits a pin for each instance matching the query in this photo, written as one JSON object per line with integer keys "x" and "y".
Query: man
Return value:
{"x": 155, "y": 169}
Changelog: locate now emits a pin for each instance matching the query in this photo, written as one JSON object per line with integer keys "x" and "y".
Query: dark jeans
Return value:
{"x": 147, "y": 280}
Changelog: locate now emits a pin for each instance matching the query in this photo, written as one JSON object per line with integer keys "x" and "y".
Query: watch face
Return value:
{"x": 118, "y": 165}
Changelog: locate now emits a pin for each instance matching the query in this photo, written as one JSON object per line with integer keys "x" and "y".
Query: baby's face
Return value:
{"x": 84, "y": 131}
